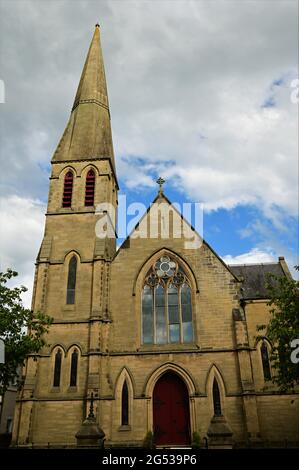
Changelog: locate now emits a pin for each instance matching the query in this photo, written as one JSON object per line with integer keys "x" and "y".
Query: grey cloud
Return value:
{"x": 168, "y": 64}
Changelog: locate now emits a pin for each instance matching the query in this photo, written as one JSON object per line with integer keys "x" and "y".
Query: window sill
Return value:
{"x": 87, "y": 208}
{"x": 69, "y": 307}
{"x": 72, "y": 389}
{"x": 123, "y": 428}
{"x": 66, "y": 209}
{"x": 269, "y": 386}
{"x": 169, "y": 347}
{"x": 55, "y": 390}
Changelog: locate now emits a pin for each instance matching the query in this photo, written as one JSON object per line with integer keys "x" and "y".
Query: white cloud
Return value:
{"x": 270, "y": 243}
{"x": 253, "y": 256}
{"x": 22, "y": 222}
{"x": 248, "y": 155}
{"x": 268, "y": 255}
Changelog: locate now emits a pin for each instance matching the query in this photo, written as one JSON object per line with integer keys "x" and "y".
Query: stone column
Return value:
{"x": 246, "y": 375}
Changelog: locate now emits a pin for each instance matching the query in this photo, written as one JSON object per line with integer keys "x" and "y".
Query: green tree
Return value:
{"x": 22, "y": 330}
{"x": 283, "y": 329}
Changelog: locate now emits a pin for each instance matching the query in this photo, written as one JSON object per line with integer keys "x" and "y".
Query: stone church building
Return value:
{"x": 157, "y": 335}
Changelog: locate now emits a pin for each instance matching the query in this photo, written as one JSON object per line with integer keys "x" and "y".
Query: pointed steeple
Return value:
{"x": 88, "y": 133}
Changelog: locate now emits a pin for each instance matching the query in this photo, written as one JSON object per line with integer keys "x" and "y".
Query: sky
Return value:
{"x": 201, "y": 93}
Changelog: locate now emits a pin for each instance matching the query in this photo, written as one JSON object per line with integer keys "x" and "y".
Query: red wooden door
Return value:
{"x": 171, "y": 411}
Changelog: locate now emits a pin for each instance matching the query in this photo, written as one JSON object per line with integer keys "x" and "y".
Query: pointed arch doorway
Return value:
{"x": 171, "y": 415}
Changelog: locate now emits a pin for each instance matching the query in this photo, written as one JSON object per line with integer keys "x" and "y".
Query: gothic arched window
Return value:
{"x": 89, "y": 188}
{"x": 57, "y": 368}
{"x": 74, "y": 368}
{"x": 265, "y": 361}
{"x": 71, "y": 281}
{"x": 166, "y": 304}
{"x": 68, "y": 189}
{"x": 125, "y": 404}
{"x": 216, "y": 399}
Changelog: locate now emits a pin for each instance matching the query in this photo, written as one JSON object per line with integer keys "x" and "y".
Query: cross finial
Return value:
{"x": 160, "y": 182}
{"x": 97, "y": 25}
{"x": 91, "y": 415}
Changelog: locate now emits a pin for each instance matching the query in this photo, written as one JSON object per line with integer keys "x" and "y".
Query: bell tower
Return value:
{"x": 73, "y": 265}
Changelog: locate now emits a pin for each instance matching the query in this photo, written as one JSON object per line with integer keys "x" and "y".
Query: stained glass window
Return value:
{"x": 186, "y": 313}
{"x": 161, "y": 333}
{"x": 173, "y": 314}
{"x": 166, "y": 304}
{"x": 147, "y": 315}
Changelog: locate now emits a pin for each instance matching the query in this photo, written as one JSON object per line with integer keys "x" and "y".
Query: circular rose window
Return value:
{"x": 165, "y": 267}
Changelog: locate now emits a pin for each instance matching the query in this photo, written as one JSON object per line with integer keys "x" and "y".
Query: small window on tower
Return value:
{"x": 71, "y": 281}
{"x": 67, "y": 190}
{"x": 89, "y": 188}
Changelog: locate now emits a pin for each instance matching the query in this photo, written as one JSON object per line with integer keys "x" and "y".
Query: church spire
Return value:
{"x": 88, "y": 133}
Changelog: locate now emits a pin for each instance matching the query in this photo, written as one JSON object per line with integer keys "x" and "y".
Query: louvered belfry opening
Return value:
{"x": 89, "y": 188}
{"x": 67, "y": 190}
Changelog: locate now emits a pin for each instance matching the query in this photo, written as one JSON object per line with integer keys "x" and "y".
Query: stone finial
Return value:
{"x": 91, "y": 414}
{"x": 90, "y": 434}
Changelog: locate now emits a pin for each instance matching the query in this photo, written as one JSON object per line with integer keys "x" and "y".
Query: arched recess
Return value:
{"x": 150, "y": 385}
{"x": 64, "y": 171}
{"x": 169, "y": 367}
{"x": 68, "y": 265}
{"x": 57, "y": 367}
{"x": 90, "y": 187}
{"x": 86, "y": 169}
{"x": 214, "y": 375}
{"x": 145, "y": 266}
{"x": 68, "y": 190}
{"x": 123, "y": 378}
{"x": 58, "y": 345}
{"x": 73, "y": 362}
{"x": 74, "y": 345}
{"x": 70, "y": 253}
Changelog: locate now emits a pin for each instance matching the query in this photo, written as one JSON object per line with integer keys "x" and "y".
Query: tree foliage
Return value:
{"x": 283, "y": 329}
{"x": 22, "y": 330}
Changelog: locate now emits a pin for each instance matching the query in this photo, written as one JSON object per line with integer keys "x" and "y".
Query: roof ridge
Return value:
{"x": 254, "y": 264}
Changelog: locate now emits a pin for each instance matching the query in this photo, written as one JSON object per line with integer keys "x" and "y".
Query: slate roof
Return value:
{"x": 255, "y": 278}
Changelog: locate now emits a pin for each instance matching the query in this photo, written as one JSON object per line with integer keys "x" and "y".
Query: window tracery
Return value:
{"x": 166, "y": 304}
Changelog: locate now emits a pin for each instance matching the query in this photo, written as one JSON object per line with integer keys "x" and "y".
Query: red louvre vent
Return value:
{"x": 89, "y": 188}
{"x": 67, "y": 190}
